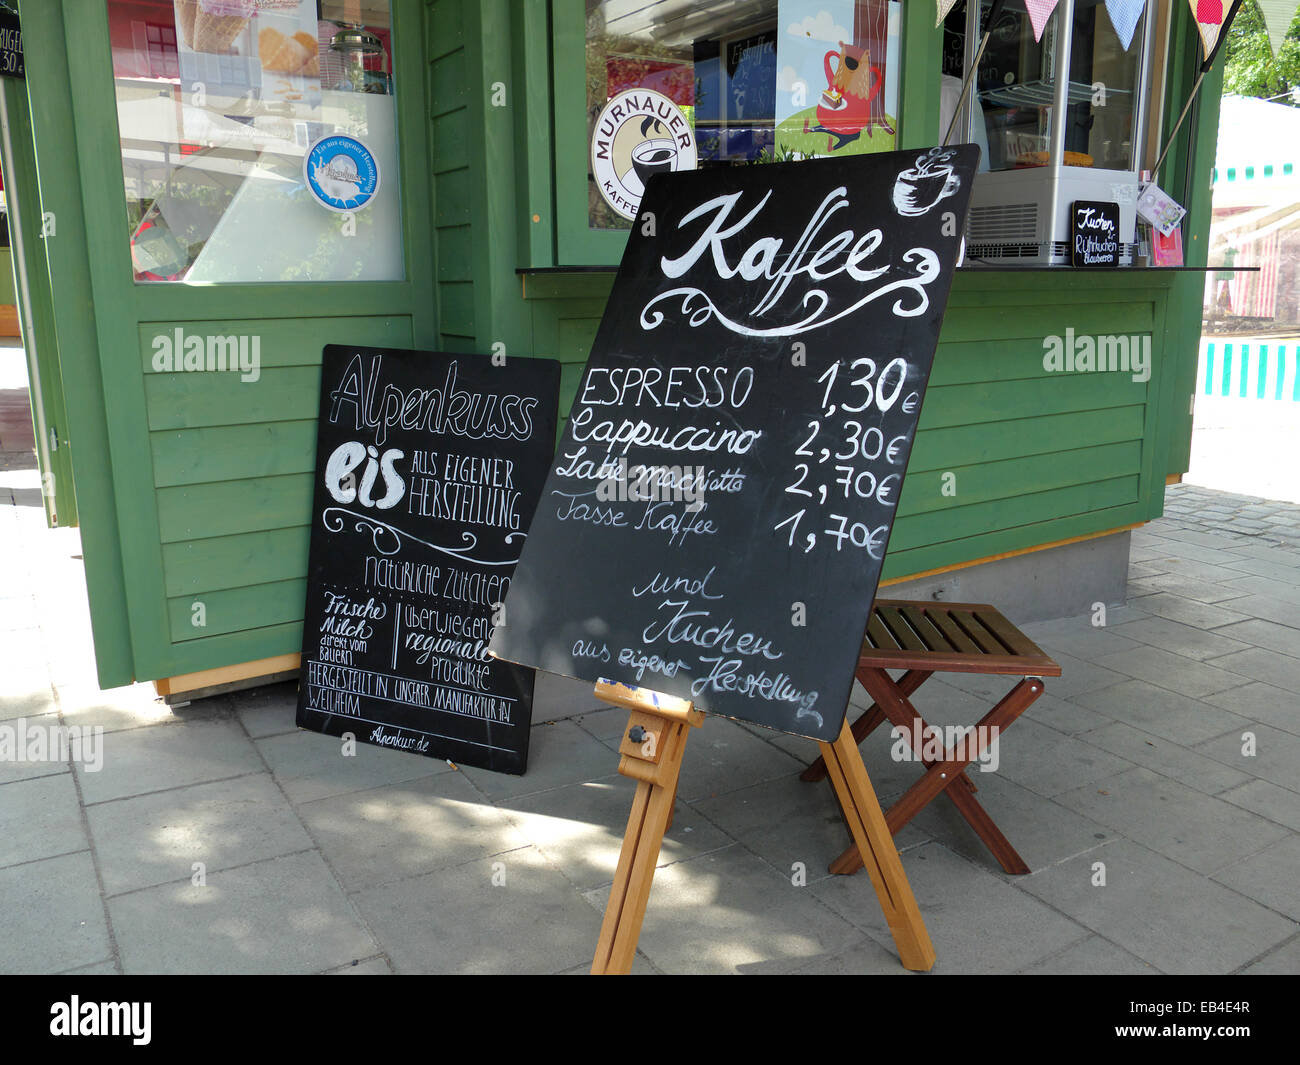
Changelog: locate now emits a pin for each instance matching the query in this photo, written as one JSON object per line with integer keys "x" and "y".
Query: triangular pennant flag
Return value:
{"x": 1278, "y": 15}
{"x": 1039, "y": 12}
{"x": 1124, "y": 15}
{"x": 1209, "y": 18}
{"x": 944, "y": 6}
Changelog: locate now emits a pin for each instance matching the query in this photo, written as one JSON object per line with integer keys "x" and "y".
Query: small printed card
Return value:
{"x": 1159, "y": 208}
{"x": 1168, "y": 248}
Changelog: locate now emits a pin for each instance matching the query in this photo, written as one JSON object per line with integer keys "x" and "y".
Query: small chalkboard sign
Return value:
{"x": 1094, "y": 233}
{"x": 428, "y": 469}
{"x": 11, "y": 46}
{"x": 715, "y": 520}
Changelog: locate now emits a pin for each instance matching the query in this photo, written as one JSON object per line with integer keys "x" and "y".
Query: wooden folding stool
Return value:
{"x": 925, "y": 638}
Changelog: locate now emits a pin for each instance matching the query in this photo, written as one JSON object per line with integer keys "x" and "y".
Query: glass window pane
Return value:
{"x": 1016, "y": 86}
{"x": 219, "y": 104}
{"x": 754, "y": 80}
{"x": 1103, "y": 89}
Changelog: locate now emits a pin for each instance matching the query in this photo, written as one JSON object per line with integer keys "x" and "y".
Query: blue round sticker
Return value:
{"x": 341, "y": 173}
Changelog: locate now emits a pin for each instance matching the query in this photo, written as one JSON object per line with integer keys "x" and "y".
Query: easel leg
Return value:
{"x": 651, "y": 815}
{"x": 876, "y": 846}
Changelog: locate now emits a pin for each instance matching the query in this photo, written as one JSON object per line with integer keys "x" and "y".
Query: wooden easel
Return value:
{"x": 652, "y": 751}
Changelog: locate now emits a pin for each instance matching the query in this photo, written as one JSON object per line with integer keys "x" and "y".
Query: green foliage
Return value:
{"x": 1252, "y": 69}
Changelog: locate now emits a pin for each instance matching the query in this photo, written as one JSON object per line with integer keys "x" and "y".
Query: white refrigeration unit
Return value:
{"x": 1037, "y": 163}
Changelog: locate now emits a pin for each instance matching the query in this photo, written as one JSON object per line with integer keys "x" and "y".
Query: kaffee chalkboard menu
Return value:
{"x": 1094, "y": 233}
{"x": 714, "y": 522}
{"x": 428, "y": 470}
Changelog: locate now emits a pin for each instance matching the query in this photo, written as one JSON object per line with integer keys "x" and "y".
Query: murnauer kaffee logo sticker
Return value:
{"x": 639, "y": 133}
{"x": 341, "y": 172}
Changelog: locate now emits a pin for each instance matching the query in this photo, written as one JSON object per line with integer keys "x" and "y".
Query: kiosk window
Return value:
{"x": 258, "y": 139}
{"x": 731, "y": 83}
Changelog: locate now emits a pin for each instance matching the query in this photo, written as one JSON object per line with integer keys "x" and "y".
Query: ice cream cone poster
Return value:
{"x": 837, "y": 77}
{"x": 341, "y": 173}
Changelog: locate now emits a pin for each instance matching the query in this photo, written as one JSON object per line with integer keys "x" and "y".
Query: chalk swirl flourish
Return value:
{"x": 382, "y": 535}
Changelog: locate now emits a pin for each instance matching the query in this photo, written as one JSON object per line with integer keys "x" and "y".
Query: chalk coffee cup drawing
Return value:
{"x": 653, "y": 157}
{"x": 918, "y": 189}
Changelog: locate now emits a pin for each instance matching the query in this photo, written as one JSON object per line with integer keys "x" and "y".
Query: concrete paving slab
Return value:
{"x": 721, "y": 756}
{"x": 1164, "y": 713}
{"x": 1049, "y": 763}
{"x": 309, "y": 765}
{"x": 1259, "y": 663}
{"x": 1088, "y": 643}
{"x": 18, "y": 732}
{"x": 64, "y": 925}
{"x": 559, "y": 754}
{"x": 1092, "y": 956}
{"x": 1197, "y": 589}
{"x": 157, "y": 838}
{"x": 1276, "y": 756}
{"x": 785, "y": 821}
{"x": 1167, "y": 670}
{"x": 1284, "y": 961}
{"x": 864, "y": 957}
{"x": 1196, "y": 830}
{"x": 1188, "y": 576}
{"x": 456, "y": 921}
{"x": 1267, "y": 799}
{"x": 579, "y": 828}
{"x": 168, "y": 756}
{"x": 283, "y": 915}
{"x": 978, "y": 922}
{"x": 269, "y": 710}
{"x": 1065, "y": 716}
{"x": 1167, "y": 758}
{"x": 731, "y": 912}
{"x": 27, "y": 698}
{"x": 1287, "y": 572}
{"x": 1269, "y": 609}
{"x": 1259, "y": 702}
{"x": 1269, "y": 877}
{"x": 40, "y": 818}
{"x": 1185, "y": 640}
{"x": 369, "y": 967}
{"x": 1191, "y": 612}
{"x": 1042, "y": 831}
{"x": 1165, "y": 914}
{"x": 1258, "y": 632}
{"x": 114, "y": 710}
{"x": 1274, "y": 589}
{"x": 556, "y": 698}
{"x": 402, "y": 830}
{"x": 103, "y": 968}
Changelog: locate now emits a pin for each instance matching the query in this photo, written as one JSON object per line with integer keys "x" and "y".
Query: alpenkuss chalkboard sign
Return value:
{"x": 428, "y": 469}
{"x": 714, "y": 522}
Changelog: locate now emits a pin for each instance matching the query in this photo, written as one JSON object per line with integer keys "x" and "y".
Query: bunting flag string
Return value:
{"x": 1124, "y": 15}
{"x": 1278, "y": 16}
{"x": 1039, "y": 12}
{"x": 944, "y": 6}
{"x": 1209, "y": 20}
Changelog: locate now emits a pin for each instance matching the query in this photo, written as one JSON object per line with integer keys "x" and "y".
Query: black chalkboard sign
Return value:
{"x": 428, "y": 470}
{"x": 714, "y": 522}
{"x": 1094, "y": 233}
{"x": 11, "y": 46}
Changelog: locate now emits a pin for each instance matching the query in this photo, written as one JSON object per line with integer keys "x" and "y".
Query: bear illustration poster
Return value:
{"x": 837, "y": 77}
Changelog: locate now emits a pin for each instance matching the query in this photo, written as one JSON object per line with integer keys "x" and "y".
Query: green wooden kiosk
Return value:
{"x": 154, "y": 161}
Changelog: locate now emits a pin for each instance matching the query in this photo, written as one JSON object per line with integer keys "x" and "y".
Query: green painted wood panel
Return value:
{"x": 220, "y": 563}
{"x": 232, "y": 452}
{"x": 962, "y": 445}
{"x": 270, "y": 615}
{"x": 222, "y": 508}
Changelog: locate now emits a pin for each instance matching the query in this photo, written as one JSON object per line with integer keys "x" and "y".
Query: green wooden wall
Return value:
{"x": 194, "y": 488}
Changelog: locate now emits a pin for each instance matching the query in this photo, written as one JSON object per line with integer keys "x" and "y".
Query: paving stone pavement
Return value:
{"x": 1154, "y": 791}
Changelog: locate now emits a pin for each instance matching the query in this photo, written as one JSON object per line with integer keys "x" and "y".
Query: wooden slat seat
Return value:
{"x": 924, "y": 638}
